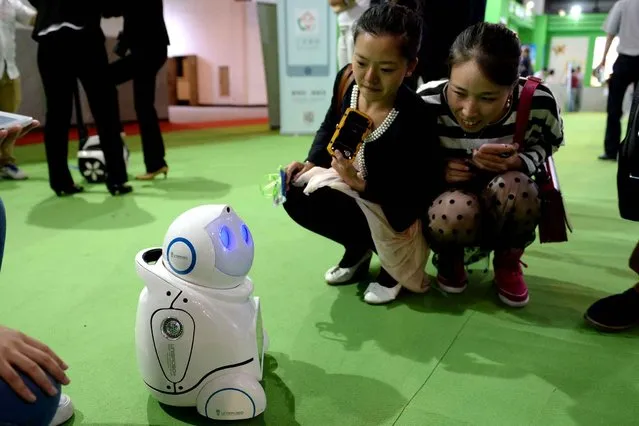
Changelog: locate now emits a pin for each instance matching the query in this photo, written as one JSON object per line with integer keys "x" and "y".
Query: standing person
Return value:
{"x": 11, "y": 12}
{"x": 70, "y": 47}
{"x": 443, "y": 22}
{"x": 525, "y": 63}
{"x": 348, "y": 12}
{"x": 622, "y": 22}
{"x": 143, "y": 46}
{"x": 491, "y": 202}
{"x": 31, "y": 374}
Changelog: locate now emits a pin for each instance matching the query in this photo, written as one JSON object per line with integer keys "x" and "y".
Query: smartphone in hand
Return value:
{"x": 350, "y": 133}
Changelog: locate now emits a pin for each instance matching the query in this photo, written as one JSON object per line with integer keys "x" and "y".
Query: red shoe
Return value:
{"x": 451, "y": 274}
{"x": 509, "y": 278}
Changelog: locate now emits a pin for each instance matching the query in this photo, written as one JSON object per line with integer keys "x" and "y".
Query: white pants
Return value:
{"x": 345, "y": 45}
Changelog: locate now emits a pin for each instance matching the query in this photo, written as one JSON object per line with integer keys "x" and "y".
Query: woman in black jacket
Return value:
{"x": 70, "y": 47}
{"x": 399, "y": 167}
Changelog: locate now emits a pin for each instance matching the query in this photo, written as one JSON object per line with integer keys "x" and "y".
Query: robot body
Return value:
{"x": 199, "y": 335}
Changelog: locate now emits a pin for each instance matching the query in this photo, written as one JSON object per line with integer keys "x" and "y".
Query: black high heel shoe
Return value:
{"x": 74, "y": 189}
{"x": 120, "y": 189}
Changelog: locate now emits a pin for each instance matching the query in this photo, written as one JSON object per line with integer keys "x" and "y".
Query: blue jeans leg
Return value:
{"x": 16, "y": 411}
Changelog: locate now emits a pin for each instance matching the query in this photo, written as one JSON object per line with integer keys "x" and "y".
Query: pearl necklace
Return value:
{"x": 360, "y": 163}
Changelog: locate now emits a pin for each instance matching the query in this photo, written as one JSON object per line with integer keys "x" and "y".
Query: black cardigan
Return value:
{"x": 405, "y": 166}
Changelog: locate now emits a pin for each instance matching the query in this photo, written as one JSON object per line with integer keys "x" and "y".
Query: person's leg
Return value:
{"x": 454, "y": 222}
{"x": 147, "y": 67}
{"x": 6, "y": 104}
{"x": 10, "y": 99}
{"x": 623, "y": 74}
{"x": 103, "y": 101}
{"x": 620, "y": 311}
{"x": 58, "y": 79}
{"x": 3, "y": 230}
{"x": 511, "y": 201}
{"x": 342, "y": 49}
{"x": 336, "y": 216}
{"x": 16, "y": 411}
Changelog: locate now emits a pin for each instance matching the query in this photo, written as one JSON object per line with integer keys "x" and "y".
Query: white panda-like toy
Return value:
{"x": 199, "y": 336}
{"x": 91, "y": 161}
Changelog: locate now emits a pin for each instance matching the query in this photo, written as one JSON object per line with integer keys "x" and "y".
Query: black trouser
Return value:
{"x": 625, "y": 72}
{"x": 64, "y": 57}
{"x": 142, "y": 67}
{"x": 336, "y": 216}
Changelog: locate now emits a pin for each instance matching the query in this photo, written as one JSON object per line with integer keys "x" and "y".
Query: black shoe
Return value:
{"x": 122, "y": 189}
{"x": 74, "y": 189}
{"x": 615, "y": 313}
{"x": 607, "y": 157}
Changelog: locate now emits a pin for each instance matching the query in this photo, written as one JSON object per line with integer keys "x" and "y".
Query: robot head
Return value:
{"x": 209, "y": 246}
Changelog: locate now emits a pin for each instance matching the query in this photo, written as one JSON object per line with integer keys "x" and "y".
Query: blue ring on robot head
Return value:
{"x": 193, "y": 256}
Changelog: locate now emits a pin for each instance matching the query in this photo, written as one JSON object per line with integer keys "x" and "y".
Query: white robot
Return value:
{"x": 199, "y": 335}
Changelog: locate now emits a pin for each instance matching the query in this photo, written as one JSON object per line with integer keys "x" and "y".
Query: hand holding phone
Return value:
{"x": 496, "y": 157}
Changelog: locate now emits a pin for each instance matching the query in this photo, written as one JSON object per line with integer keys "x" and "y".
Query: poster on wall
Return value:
{"x": 307, "y": 42}
{"x": 566, "y": 52}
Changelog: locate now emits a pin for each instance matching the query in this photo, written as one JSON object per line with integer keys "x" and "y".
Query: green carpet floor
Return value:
{"x": 69, "y": 279}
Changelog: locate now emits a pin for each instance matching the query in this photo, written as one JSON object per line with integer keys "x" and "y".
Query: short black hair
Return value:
{"x": 494, "y": 47}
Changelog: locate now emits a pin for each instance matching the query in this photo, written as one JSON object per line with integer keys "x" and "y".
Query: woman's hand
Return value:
{"x": 295, "y": 170}
{"x": 16, "y": 132}
{"x": 457, "y": 170}
{"x": 33, "y": 358}
{"x": 347, "y": 172}
{"x": 498, "y": 158}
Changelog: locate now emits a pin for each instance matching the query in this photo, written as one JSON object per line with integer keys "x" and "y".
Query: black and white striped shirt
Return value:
{"x": 544, "y": 134}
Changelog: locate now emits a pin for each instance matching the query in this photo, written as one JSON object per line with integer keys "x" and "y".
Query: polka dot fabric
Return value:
{"x": 506, "y": 211}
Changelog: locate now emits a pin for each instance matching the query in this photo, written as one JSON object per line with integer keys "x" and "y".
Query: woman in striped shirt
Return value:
{"x": 492, "y": 202}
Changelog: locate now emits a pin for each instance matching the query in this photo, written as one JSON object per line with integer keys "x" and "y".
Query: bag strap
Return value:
{"x": 344, "y": 83}
{"x": 523, "y": 110}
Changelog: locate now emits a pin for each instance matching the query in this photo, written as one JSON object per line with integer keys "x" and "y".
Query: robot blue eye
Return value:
{"x": 225, "y": 237}
{"x": 246, "y": 235}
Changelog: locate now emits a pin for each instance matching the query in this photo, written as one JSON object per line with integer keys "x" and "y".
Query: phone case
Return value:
{"x": 351, "y": 114}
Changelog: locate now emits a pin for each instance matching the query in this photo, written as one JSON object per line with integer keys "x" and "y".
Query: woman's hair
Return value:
{"x": 494, "y": 47}
{"x": 401, "y": 18}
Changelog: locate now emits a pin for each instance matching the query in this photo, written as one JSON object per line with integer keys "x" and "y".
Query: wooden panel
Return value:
{"x": 225, "y": 81}
{"x": 183, "y": 87}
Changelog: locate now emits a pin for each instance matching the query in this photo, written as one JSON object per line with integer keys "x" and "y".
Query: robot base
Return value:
{"x": 232, "y": 397}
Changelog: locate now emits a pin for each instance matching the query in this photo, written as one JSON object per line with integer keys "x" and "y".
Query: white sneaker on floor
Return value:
{"x": 65, "y": 411}
{"x": 377, "y": 294}
{"x": 11, "y": 171}
{"x": 337, "y": 275}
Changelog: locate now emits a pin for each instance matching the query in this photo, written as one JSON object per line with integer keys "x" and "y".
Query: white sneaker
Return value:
{"x": 65, "y": 411}
{"x": 377, "y": 294}
{"x": 11, "y": 171}
{"x": 337, "y": 275}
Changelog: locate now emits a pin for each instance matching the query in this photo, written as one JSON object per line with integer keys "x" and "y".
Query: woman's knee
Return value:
{"x": 15, "y": 410}
{"x": 454, "y": 218}
{"x": 512, "y": 200}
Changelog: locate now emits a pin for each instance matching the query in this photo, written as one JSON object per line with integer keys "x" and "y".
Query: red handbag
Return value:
{"x": 554, "y": 223}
